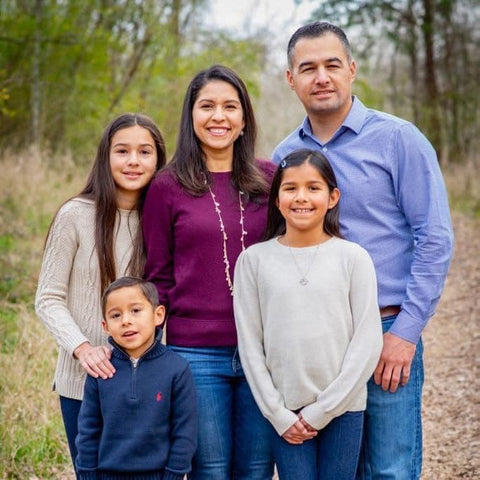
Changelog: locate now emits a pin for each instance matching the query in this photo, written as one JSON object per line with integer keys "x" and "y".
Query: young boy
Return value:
{"x": 141, "y": 423}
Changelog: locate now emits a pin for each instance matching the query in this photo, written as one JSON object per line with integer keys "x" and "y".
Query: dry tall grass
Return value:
{"x": 32, "y": 186}
{"x": 32, "y": 442}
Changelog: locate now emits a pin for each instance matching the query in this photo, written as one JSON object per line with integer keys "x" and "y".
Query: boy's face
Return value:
{"x": 131, "y": 320}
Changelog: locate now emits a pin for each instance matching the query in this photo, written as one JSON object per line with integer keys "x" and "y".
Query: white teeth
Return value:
{"x": 218, "y": 131}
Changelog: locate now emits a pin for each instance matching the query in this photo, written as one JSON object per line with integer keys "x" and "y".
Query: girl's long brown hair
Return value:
{"x": 100, "y": 188}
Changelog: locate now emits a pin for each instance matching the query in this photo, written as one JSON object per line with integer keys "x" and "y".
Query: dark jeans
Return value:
{"x": 331, "y": 455}
{"x": 70, "y": 410}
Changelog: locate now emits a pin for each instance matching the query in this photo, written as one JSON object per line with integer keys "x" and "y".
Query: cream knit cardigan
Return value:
{"x": 68, "y": 298}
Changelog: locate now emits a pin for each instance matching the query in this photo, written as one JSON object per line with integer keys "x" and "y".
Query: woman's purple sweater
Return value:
{"x": 184, "y": 248}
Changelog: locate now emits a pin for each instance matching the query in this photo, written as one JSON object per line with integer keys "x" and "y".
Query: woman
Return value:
{"x": 207, "y": 206}
{"x": 94, "y": 239}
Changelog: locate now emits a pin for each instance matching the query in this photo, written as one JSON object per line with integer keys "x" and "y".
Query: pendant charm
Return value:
{"x": 303, "y": 281}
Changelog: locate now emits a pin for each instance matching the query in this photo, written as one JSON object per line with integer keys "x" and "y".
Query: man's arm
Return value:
{"x": 422, "y": 197}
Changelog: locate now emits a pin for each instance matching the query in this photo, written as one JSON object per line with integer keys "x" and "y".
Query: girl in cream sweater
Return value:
{"x": 94, "y": 239}
{"x": 308, "y": 324}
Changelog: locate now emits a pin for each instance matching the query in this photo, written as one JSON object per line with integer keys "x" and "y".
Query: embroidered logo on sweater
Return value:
{"x": 159, "y": 396}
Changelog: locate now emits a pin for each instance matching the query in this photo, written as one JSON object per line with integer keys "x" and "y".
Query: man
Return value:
{"x": 395, "y": 205}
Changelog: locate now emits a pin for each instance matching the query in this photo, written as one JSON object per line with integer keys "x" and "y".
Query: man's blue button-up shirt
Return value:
{"x": 393, "y": 203}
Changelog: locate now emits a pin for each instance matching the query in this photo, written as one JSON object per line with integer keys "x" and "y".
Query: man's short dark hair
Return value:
{"x": 315, "y": 30}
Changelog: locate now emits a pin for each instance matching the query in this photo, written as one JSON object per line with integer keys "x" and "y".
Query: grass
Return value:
{"x": 32, "y": 441}
{"x": 463, "y": 185}
{"x": 32, "y": 186}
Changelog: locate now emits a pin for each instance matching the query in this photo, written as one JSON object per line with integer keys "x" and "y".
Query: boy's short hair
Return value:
{"x": 147, "y": 288}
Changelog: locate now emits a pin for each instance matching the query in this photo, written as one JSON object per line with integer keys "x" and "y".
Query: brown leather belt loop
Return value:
{"x": 389, "y": 311}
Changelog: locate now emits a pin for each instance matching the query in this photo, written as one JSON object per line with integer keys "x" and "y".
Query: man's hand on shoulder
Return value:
{"x": 393, "y": 368}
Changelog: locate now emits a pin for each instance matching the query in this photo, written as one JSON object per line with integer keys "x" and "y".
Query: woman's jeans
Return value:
{"x": 331, "y": 455}
{"x": 233, "y": 435}
{"x": 392, "y": 444}
{"x": 70, "y": 410}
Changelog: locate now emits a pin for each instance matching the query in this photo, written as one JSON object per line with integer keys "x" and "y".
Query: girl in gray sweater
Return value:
{"x": 94, "y": 238}
{"x": 308, "y": 323}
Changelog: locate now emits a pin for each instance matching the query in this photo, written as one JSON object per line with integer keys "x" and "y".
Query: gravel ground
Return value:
{"x": 452, "y": 345}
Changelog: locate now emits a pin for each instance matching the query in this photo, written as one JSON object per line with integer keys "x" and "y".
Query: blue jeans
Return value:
{"x": 233, "y": 435}
{"x": 331, "y": 455}
{"x": 70, "y": 410}
{"x": 392, "y": 444}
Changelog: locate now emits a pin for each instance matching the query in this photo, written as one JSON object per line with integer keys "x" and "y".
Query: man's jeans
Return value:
{"x": 392, "y": 444}
{"x": 331, "y": 455}
{"x": 233, "y": 435}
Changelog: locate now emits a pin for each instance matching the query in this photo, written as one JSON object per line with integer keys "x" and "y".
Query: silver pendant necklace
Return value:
{"x": 303, "y": 276}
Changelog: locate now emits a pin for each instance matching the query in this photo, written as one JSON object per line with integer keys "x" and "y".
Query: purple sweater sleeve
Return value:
{"x": 157, "y": 225}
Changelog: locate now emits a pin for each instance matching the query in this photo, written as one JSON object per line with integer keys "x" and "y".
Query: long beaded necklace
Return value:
{"x": 228, "y": 277}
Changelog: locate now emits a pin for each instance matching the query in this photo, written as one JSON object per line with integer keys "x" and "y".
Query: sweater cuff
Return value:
{"x": 87, "y": 475}
{"x": 173, "y": 476}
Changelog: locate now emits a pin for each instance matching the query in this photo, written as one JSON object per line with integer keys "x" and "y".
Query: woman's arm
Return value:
{"x": 157, "y": 226}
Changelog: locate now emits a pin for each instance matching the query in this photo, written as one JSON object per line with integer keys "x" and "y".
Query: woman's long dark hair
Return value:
{"x": 275, "y": 222}
{"x": 100, "y": 188}
{"x": 188, "y": 162}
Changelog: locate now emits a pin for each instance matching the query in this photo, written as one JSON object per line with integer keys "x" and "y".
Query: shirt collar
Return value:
{"x": 354, "y": 120}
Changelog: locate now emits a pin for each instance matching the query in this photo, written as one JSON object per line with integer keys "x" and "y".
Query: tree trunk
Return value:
{"x": 434, "y": 126}
{"x": 36, "y": 83}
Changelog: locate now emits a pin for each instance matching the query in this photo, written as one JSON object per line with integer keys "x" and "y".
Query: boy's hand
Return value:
{"x": 95, "y": 360}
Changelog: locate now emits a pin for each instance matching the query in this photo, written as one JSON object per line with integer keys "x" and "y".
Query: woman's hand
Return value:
{"x": 95, "y": 360}
{"x": 298, "y": 433}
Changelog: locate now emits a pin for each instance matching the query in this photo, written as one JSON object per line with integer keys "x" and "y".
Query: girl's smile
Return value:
{"x": 303, "y": 200}
{"x": 133, "y": 159}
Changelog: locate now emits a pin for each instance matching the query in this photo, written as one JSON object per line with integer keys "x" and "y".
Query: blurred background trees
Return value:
{"x": 68, "y": 66}
{"x": 425, "y": 57}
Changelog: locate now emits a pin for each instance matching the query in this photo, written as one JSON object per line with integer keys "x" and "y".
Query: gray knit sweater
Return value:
{"x": 68, "y": 294}
{"x": 307, "y": 347}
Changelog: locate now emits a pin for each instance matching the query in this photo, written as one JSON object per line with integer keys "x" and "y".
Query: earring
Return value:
{"x": 241, "y": 133}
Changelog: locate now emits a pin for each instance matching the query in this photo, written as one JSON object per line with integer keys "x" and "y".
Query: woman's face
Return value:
{"x": 133, "y": 161}
{"x": 217, "y": 117}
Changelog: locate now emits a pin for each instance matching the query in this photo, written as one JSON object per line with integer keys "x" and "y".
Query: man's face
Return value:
{"x": 322, "y": 76}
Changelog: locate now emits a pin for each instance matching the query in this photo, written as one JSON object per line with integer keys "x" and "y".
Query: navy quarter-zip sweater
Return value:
{"x": 141, "y": 423}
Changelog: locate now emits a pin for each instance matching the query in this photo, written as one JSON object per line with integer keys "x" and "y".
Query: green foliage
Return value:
{"x": 75, "y": 65}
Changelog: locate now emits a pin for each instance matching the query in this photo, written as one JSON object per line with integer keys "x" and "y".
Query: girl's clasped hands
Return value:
{"x": 299, "y": 432}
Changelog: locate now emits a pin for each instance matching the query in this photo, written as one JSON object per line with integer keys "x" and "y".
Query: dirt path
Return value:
{"x": 451, "y": 407}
